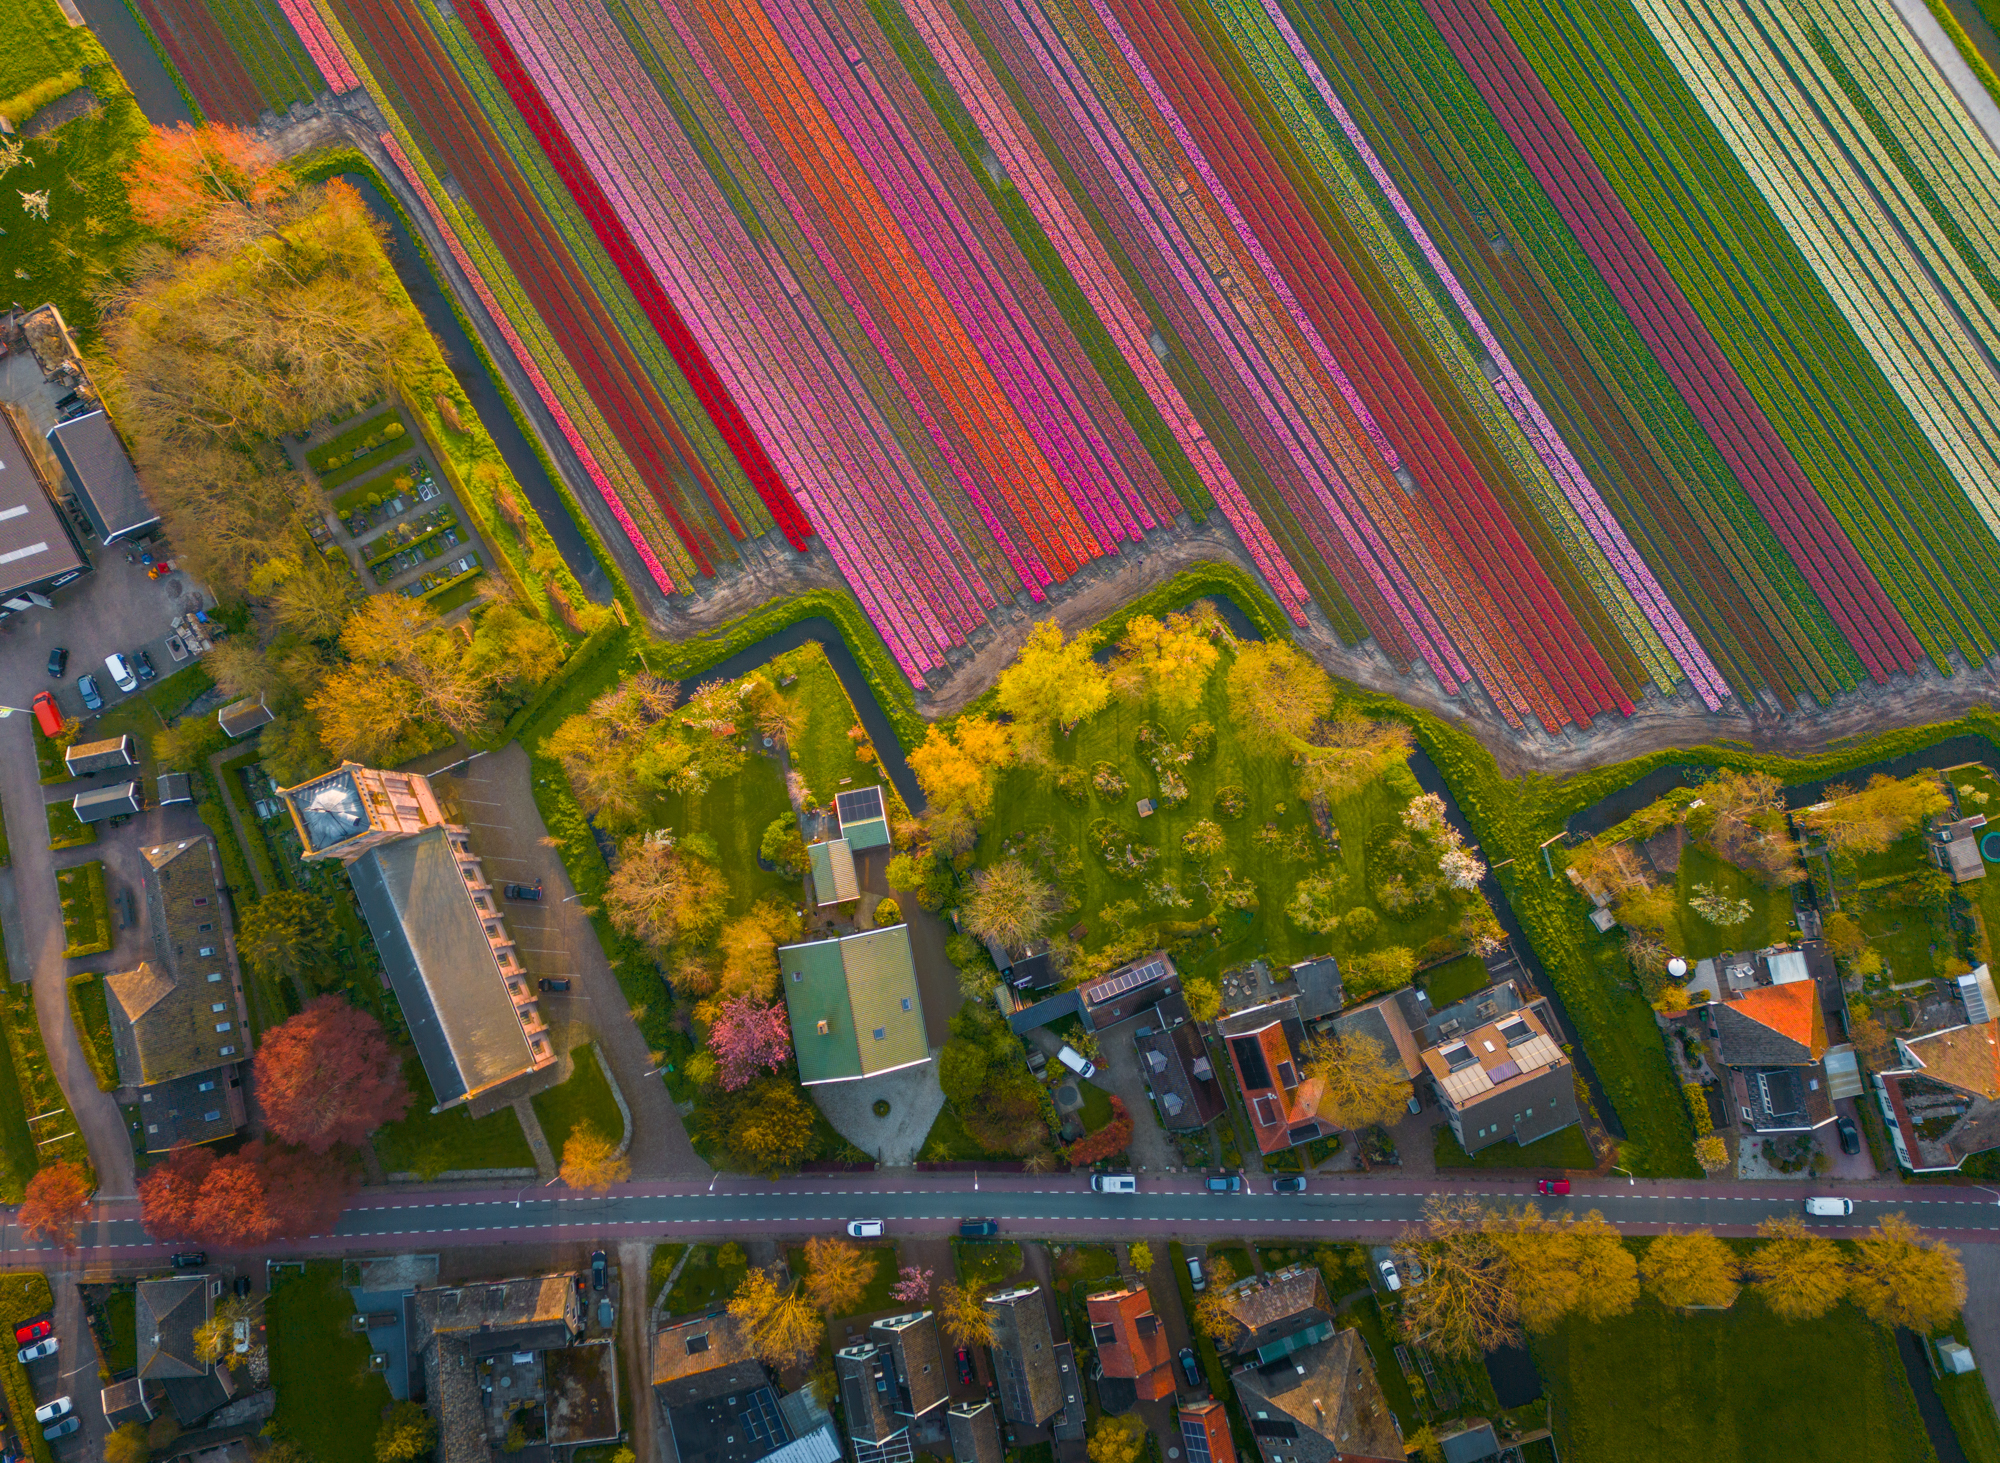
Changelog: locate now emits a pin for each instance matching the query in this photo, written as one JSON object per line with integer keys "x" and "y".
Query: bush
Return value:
{"x": 887, "y": 913}
{"x": 967, "y": 953}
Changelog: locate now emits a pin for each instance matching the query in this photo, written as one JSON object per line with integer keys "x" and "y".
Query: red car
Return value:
{"x": 964, "y": 1367}
{"x": 29, "y": 1334}
{"x": 47, "y": 715}
{"x": 1552, "y": 1186}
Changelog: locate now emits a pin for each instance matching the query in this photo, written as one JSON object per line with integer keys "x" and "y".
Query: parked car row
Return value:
{"x": 36, "y": 1339}
{"x": 126, "y": 673}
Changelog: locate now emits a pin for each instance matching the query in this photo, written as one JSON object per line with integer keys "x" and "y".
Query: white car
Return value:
{"x": 1077, "y": 1062}
{"x": 1197, "y": 1281}
{"x": 1114, "y": 1183}
{"x": 1821, "y": 1205}
{"x": 865, "y": 1228}
{"x": 1390, "y": 1279}
{"x": 120, "y": 670}
{"x": 36, "y": 1352}
{"x": 50, "y": 1411}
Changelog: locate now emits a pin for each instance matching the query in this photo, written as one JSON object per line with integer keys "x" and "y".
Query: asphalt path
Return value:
{"x": 1025, "y": 1205}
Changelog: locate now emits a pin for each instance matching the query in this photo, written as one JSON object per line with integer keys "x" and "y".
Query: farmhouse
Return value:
{"x": 854, "y": 1005}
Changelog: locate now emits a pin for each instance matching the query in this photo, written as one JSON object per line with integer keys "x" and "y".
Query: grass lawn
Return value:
{"x": 66, "y": 830}
{"x": 55, "y": 1132}
{"x": 1096, "y": 1106}
{"x": 822, "y": 752}
{"x": 986, "y": 1264}
{"x": 1567, "y": 1148}
{"x": 1735, "y": 1384}
{"x": 1970, "y": 1407}
{"x": 1031, "y": 816}
{"x": 90, "y": 1010}
{"x": 1238, "y": 1256}
{"x": 430, "y": 1143}
{"x": 703, "y": 1284}
{"x": 328, "y": 1400}
{"x": 49, "y": 764}
{"x": 735, "y": 812}
{"x": 1689, "y": 934}
{"x": 949, "y": 1141}
{"x": 659, "y": 1265}
{"x": 1979, "y": 792}
{"x": 876, "y": 1297}
{"x": 1367, "y": 1318}
{"x": 121, "y": 1330}
{"x": 1454, "y": 980}
{"x": 1082, "y": 1267}
{"x": 445, "y": 600}
{"x": 85, "y": 909}
{"x": 584, "y": 1096}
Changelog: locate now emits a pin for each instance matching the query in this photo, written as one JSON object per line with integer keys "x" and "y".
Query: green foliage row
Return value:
{"x": 372, "y": 423}
{"x": 90, "y": 1013}
{"x": 86, "y": 909}
{"x": 51, "y": 1125}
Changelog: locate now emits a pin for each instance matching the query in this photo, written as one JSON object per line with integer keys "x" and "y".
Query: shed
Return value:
{"x": 1955, "y": 1358}
{"x": 176, "y": 787}
{"x": 87, "y": 757}
{"x": 108, "y": 802}
{"x": 240, "y": 718}
{"x": 834, "y": 880}
{"x": 101, "y": 475}
{"x": 864, "y": 818}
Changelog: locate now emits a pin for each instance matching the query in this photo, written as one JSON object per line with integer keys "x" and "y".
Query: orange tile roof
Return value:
{"x": 1134, "y": 1351}
{"x": 1967, "y": 1057}
{"x": 1792, "y": 1010}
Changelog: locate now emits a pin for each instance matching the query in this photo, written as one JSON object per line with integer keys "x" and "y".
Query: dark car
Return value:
{"x": 977, "y": 1228}
{"x": 525, "y": 891}
{"x": 190, "y": 1259}
{"x": 144, "y": 663}
{"x": 58, "y": 661}
{"x": 965, "y": 1377}
{"x": 598, "y": 1271}
{"x": 242, "y": 1287}
{"x": 1230, "y": 1185}
{"x": 554, "y": 983}
{"x": 1189, "y": 1367}
{"x": 1850, "y": 1136}
{"x": 34, "y": 1331}
{"x": 86, "y": 687}
{"x": 1289, "y": 1183}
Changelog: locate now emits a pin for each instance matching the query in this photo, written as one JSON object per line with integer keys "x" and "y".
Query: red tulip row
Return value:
{"x": 195, "y": 45}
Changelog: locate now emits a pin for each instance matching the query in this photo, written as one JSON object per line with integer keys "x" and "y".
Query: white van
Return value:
{"x": 120, "y": 671}
{"x": 1114, "y": 1183}
{"x": 1075, "y": 1060}
{"x": 1829, "y": 1206}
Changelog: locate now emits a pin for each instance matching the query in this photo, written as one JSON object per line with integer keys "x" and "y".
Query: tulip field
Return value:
{"x": 1570, "y": 352}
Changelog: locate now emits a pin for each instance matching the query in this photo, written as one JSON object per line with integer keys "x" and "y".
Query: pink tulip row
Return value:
{"x": 562, "y": 418}
{"x": 319, "y": 44}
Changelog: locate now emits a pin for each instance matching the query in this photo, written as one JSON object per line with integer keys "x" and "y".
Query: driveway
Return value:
{"x": 914, "y": 1099}
{"x": 492, "y": 796}
{"x": 1119, "y": 1073}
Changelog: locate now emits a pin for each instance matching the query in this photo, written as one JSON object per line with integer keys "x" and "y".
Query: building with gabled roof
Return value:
{"x": 975, "y": 1432}
{"x": 84, "y": 758}
{"x": 1134, "y": 1360}
{"x": 833, "y": 875}
{"x": 453, "y": 1329}
{"x": 179, "y": 1029}
{"x": 918, "y": 1350}
{"x": 1941, "y": 1101}
{"x": 240, "y": 718}
{"x": 854, "y": 1006}
{"x": 1274, "y": 1314}
{"x": 167, "y": 1315}
{"x": 1771, "y": 1037}
{"x": 1024, "y": 1356}
{"x": 1177, "y": 1067}
{"x": 1205, "y": 1436}
{"x": 39, "y": 548}
{"x": 1267, "y": 1048}
{"x": 1320, "y": 1404}
{"x": 863, "y": 815}
{"x": 102, "y": 477}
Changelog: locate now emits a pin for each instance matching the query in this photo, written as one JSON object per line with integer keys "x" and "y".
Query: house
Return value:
{"x": 1025, "y": 968}
{"x": 975, "y": 1432}
{"x": 466, "y": 997}
{"x": 1205, "y": 1432}
{"x": 854, "y": 1005}
{"x": 482, "y": 1347}
{"x": 102, "y": 478}
{"x": 917, "y": 1348}
{"x": 1024, "y": 1357}
{"x": 240, "y": 718}
{"x": 1267, "y": 1047}
{"x": 1954, "y": 847}
{"x": 889, "y": 1382}
{"x": 179, "y": 1029}
{"x": 863, "y": 816}
{"x": 167, "y": 1315}
{"x": 39, "y": 550}
{"x": 1275, "y": 1314}
{"x": 717, "y": 1403}
{"x": 87, "y": 757}
{"x": 1128, "y": 991}
{"x": 1769, "y": 1024}
{"x": 1321, "y": 1404}
{"x": 1177, "y": 1067}
{"x": 1318, "y": 987}
{"x": 1505, "y": 1078}
{"x": 833, "y": 876}
{"x": 119, "y": 800}
{"x": 1068, "y": 1425}
{"x": 1134, "y": 1361}
{"x": 1941, "y": 1101}
{"x": 175, "y": 787}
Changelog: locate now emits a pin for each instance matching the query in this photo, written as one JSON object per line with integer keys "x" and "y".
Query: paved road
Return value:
{"x": 1023, "y": 1204}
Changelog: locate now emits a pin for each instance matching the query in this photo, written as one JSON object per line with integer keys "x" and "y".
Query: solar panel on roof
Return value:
{"x": 1195, "y": 1438}
{"x": 1138, "y": 975}
{"x": 859, "y": 806}
{"x": 761, "y": 1421}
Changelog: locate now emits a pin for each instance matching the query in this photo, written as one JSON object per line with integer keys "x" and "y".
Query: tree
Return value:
{"x": 590, "y": 1160}
{"x": 128, "y": 1444}
{"x": 1559, "y": 1266}
{"x": 1139, "y": 1255}
{"x": 1114, "y": 1137}
{"x": 766, "y": 1128}
{"x": 837, "y": 1274}
{"x": 1467, "y": 1304}
{"x": 957, "y": 768}
{"x": 597, "y": 758}
{"x": 1691, "y": 1269}
{"x": 1843, "y": 934}
{"x": 1010, "y": 903}
{"x": 1316, "y": 901}
{"x": 1800, "y": 1275}
{"x": 1377, "y": 971}
{"x": 400, "y": 635}
{"x": 1053, "y": 682}
{"x": 1167, "y": 660}
{"x": 312, "y": 595}
{"x": 1276, "y": 694}
{"x": 749, "y": 1037}
{"x": 1901, "y": 1277}
{"x": 304, "y": 1191}
{"x": 1712, "y": 1153}
{"x": 1424, "y": 1442}
{"x": 749, "y": 948}
{"x": 964, "y": 1317}
{"x": 778, "y": 1323}
{"x": 1211, "y": 1312}
{"x": 1118, "y": 1438}
{"x": 1364, "y": 1085}
{"x": 1347, "y": 753}
{"x": 362, "y": 712}
{"x": 1871, "y": 1039}
{"x": 329, "y": 1076}
{"x": 285, "y": 933}
{"x": 511, "y": 649}
{"x": 1869, "y": 819}
{"x": 213, "y": 1337}
{"x": 194, "y": 184}
{"x": 407, "y": 1433}
{"x": 913, "y": 1287}
{"x": 782, "y": 847}
{"x": 57, "y": 1199}
{"x": 660, "y": 893}
{"x": 170, "y": 1192}
{"x": 1203, "y": 997}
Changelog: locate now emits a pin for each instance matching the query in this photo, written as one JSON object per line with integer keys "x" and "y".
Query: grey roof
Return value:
{"x": 107, "y": 802}
{"x": 166, "y": 1314}
{"x": 87, "y": 757}
{"x": 101, "y": 473}
{"x": 35, "y": 543}
{"x": 241, "y": 717}
{"x": 1475, "y": 1444}
{"x": 868, "y": 1392}
{"x": 434, "y": 947}
{"x": 176, "y": 787}
{"x": 975, "y": 1432}
{"x": 197, "y": 1108}
{"x": 1746, "y": 1042}
{"x": 1182, "y": 1075}
{"x": 1319, "y": 989}
{"x": 1031, "y": 1390}
{"x": 1323, "y": 1401}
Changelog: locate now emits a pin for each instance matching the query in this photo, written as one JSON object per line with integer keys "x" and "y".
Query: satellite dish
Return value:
{"x": 1677, "y": 967}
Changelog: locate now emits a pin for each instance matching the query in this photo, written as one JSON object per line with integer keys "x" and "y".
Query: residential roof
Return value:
{"x": 864, "y": 818}
{"x": 1384, "y": 1022}
{"x": 102, "y": 476}
{"x": 866, "y": 1374}
{"x": 1205, "y": 1432}
{"x": 1131, "y": 1341}
{"x": 87, "y": 757}
{"x": 1494, "y": 1058}
{"x": 201, "y": 1107}
{"x": 1024, "y": 1354}
{"x": 164, "y": 1021}
{"x": 35, "y": 543}
{"x": 1265, "y": 1045}
{"x": 1967, "y": 1057}
{"x": 107, "y": 802}
{"x": 457, "y": 1000}
{"x": 834, "y": 879}
{"x": 1957, "y": 846}
{"x": 239, "y": 718}
{"x": 1128, "y": 990}
{"x": 691, "y": 1345}
{"x": 919, "y": 1351}
{"x": 1475, "y": 1444}
{"x": 1320, "y": 992}
{"x": 854, "y": 1005}
{"x": 975, "y": 1432}
{"x": 1177, "y": 1066}
{"x": 166, "y": 1314}
{"x": 176, "y": 787}
{"x": 124, "y": 1402}
{"x": 1268, "y": 1308}
{"x": 1327, "y": 1393}
{"x": 1774, "y": 1025}
{"x": 493, "y": 1309}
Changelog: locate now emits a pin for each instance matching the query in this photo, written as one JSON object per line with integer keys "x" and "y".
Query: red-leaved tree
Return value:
{"x": 263, "y": 1193}
{"x": 748, "y": 1038}
{"x": 1112, "y": 1138}
{"x": 57, "y": 1198}
{"x": 329, "y": 1076}
{"x": 303, "y": 1192}
{"x": 170, "y": 1193}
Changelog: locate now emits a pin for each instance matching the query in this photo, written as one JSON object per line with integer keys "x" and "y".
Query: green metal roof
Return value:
{"x": 833, "y": 872}
{"x": 855, "y": 988}
{"x": 864, "y": 818}
{"x": 815, "y": 993}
